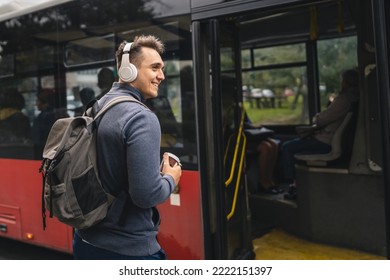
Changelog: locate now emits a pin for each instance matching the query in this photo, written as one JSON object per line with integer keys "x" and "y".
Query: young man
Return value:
{"x": 128, "y": 148}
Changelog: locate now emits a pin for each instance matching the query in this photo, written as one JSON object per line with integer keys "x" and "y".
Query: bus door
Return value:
{"x": 221, "y": 140}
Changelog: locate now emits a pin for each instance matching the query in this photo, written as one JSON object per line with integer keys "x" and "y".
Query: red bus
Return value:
{"x": 278, "y": 61}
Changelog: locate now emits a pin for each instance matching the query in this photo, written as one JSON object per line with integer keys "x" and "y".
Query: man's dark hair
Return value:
{"x": 143, "y": 41}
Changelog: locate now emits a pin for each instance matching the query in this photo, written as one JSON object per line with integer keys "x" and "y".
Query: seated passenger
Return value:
{"x": 267, "y": 150}
{"x": 327, "y": 122}
{"x": 14, "y": 124}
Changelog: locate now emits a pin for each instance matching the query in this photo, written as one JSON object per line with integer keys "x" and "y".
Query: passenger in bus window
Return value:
{"x": 105, "y": 79}
{"x": 128, "y": 153}
{"x": 14, "y": 124}
{"x": 326, "y": 123}
{"x": 169, "y": 126}
{"x": 44, "y": 121}
{"x": 87, "y": 94}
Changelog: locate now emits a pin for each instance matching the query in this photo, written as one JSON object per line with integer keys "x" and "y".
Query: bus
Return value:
{"x": 276, "y": 62}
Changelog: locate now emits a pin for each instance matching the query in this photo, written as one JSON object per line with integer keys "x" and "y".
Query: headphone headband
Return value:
{"x": 127, "y": 48}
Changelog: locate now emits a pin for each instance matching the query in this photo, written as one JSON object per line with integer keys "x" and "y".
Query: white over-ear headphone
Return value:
{"x": 127, "y": 72}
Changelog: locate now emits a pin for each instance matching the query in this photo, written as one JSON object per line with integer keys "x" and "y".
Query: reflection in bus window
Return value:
{"x": 87, "y": 94}
{"x": 15, "y": 130}
{"x": 14, "y": 124}
{"x": 89, "y": 50}
{"x": 45, "y": 119}
{"x": 31, "y": 59}
{"x": 6, "y": 65}
{"x": 169, "y": 127}
{"x": 105, "y": 79}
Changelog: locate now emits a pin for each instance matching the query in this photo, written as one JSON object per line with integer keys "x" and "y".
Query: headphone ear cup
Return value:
{"x": 128, "y": 73}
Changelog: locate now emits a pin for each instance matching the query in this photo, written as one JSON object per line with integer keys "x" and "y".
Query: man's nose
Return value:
{"x": 160, "y": 75}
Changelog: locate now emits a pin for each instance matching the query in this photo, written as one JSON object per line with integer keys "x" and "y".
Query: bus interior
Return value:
{"x": 280, "y": 66}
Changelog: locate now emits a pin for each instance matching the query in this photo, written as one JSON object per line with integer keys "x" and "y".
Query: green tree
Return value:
{"x": 335, "y": 56}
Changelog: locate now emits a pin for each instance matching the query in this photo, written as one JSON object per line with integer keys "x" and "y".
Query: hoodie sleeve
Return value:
{"x": 147, "y": 188}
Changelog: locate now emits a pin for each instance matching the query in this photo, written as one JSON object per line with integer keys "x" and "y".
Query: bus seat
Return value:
{"x": 337, "y": 146}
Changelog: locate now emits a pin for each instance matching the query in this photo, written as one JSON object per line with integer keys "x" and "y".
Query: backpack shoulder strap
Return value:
{"x": 115, "y": 101}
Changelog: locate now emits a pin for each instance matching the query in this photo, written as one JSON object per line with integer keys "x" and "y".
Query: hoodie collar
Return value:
{"x": 128, "y": 89}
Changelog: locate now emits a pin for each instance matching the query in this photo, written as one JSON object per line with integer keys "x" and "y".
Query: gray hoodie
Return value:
{"x": 128, "y": 149}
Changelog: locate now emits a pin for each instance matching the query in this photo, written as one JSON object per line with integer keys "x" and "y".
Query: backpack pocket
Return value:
{"x": 57, "y": 202}
{"x": 88, "y": 191}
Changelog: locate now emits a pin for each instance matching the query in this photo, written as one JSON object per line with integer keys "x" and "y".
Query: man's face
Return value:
{"x": 150, "y": 73}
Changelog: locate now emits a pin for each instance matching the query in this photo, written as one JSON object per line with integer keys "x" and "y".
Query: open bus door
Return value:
{"x": 381, "y": 18}
{"x": 221, "y": 141}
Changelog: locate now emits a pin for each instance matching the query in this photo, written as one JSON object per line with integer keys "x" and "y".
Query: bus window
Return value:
{"x": 15, "y": 128}
{"x": 172, "y": 70}
{"x": 48, "y": 113}
{"x": 334, "y": 56}
{"x": 168, "y": 106}
{"x": 90, "y": 50}
{"x": 275, "y": 83}
{"x": 6, "y": 65}
{"x": 280, "y": 54}
{"x": 76, "y": 81}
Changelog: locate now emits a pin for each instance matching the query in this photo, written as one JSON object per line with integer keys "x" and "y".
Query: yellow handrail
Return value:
{"x": 240, "y": 136}
{"x": 238, "y": 176}
{"x": 236, "y": 149}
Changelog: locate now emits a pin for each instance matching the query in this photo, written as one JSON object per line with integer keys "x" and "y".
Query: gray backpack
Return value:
{"x": 72, "y": 191}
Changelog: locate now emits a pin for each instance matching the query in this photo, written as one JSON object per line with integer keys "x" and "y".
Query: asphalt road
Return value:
{"x": 15, "y": 250}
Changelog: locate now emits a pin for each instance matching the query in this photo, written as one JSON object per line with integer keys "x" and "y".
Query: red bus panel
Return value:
{"x": 181, "y": 230}
{"x": 20, "y": 207}
{"x": 21, "y": 203}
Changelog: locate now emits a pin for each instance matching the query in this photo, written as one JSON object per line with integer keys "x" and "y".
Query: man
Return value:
{"x": 128, "y": 148}
{"x": 327, "y": 122}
